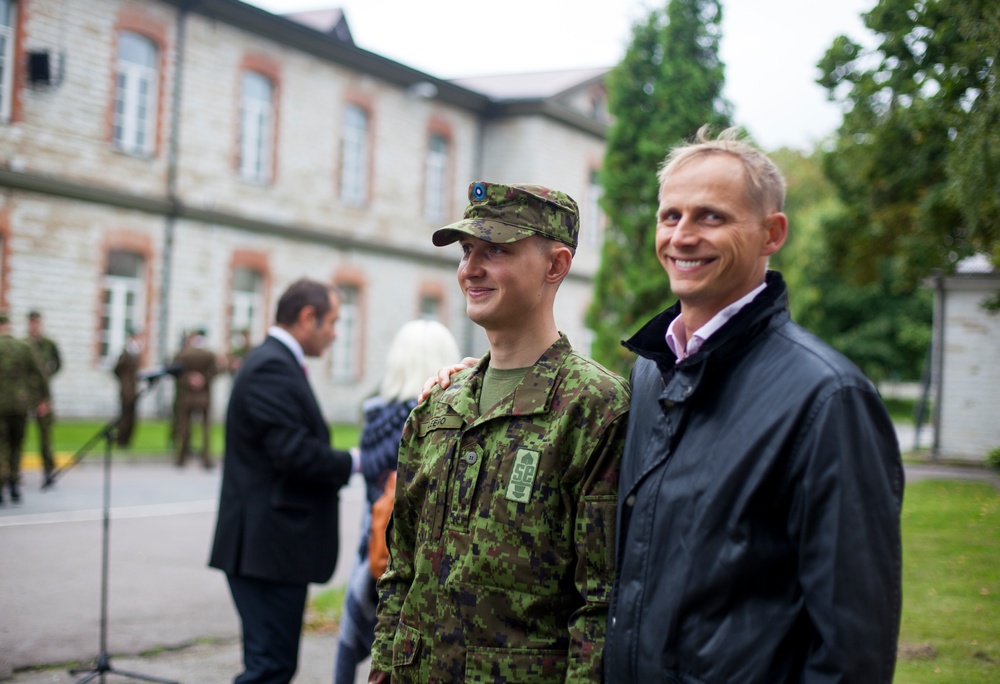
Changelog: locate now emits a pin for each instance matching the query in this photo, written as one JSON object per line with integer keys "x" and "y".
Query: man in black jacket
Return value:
{"x": 277, "y": 526}
{"x": 761, "y": 483}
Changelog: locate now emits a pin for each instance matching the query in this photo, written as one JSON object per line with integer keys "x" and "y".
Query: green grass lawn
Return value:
{"x": 951, "y": 584}
{"x": 150, "y": 438}
{"x": 950, "y": 629}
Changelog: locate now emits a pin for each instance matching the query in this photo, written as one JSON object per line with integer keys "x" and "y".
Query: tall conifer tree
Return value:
{"x": 668, "y": 85}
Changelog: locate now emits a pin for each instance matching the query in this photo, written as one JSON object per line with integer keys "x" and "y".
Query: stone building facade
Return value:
{"x": 167, "y": 165}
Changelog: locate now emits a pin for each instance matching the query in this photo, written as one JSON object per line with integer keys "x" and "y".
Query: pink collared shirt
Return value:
{"x": 676, "y": 332}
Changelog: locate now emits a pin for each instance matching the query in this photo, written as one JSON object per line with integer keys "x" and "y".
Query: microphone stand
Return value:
{"x": 108, "y": 432}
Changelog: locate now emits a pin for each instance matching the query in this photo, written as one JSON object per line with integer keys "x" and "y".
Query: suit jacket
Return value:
{"x": 278, "y": 508}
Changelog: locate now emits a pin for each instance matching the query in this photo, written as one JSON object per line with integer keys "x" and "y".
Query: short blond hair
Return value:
{"x": 416, "y": 353}
{"x": 765, "y": 182}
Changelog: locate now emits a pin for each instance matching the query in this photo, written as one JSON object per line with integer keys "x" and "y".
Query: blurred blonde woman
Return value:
{"x": 417, "y": 351}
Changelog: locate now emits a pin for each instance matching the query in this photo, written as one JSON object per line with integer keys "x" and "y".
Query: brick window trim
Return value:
{"x": 134, "y": 20}
{"x": 137, "y": 243}
{"x": 442, "y": 128}
{"x": 17, "y": 85}
{"x": 365, "y": 103}
{"x": 352, "y": 276}
{"x": 256, "y": 261}
{"x": 429, "y": 289}
{"x": 269, "y": 68}
{"x": 4, "y": 258}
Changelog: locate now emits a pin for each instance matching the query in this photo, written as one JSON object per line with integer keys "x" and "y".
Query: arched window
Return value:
{"x": 354, "y": 156}
{"x": 256, "y": 127}
{"x": 248, "y": 304}
{"x": 436, "y": 179}
{"x": 346, "y": 352}
{"x": 135, "y": 94}
{"x": 123, "y": 302}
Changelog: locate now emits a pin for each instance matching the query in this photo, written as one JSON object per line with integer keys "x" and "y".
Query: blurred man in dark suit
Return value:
{"x": 277, "y": 528}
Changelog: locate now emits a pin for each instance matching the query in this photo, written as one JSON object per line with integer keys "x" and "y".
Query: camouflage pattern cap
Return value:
{"x": 508, "y": 213}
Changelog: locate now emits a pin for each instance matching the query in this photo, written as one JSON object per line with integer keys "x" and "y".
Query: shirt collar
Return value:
{"x": 676, "y": 332}
{"x": 286, "y": 339}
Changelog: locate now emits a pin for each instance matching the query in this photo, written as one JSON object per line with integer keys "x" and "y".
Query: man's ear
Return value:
{"x": 307, "y": 316}
{"x": 776, "y": 225}
{"x": 560, "y": 260}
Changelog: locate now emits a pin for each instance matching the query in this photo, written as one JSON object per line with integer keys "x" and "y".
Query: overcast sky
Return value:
{"x": 770, "y": 47}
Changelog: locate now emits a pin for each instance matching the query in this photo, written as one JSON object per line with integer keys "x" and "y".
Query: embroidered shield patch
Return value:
{"x": 523, "y": 475}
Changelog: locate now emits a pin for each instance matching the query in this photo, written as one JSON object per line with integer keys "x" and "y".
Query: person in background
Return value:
{"x": 194, "y": 396}
{"x": 418, "y": 349}
{"x": 761, "y": 485}
{"x": 23, "y": 388}
{"x": 47, "y": 352}
{"x": 277, "y": 526}
{"x": 501, "y": 537}
{"x": 127, "y": 371}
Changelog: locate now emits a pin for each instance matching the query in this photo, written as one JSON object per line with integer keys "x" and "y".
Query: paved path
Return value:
{"x": 168, "y": 611}
{"x": 161, "y": 593}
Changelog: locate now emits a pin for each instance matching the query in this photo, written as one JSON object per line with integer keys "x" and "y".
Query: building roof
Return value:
{"x": 330, "y": 21}
{"x": 975, "y": 264}
{"x": 536, "y": 85}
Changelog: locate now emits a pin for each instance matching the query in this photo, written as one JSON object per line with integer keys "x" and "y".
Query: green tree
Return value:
{"x": 883, "y": 328}
{"x": 917, "y": 160}
{"x": 668, "y": 85}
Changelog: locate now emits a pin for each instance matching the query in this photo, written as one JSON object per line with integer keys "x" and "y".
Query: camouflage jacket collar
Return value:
{"x": 533, "y": 395}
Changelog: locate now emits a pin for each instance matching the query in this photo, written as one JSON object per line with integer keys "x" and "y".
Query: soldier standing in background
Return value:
{"x": 194, "y": 395}
{"x": 48, "y": 355}
{"x": 127, "y": 370}
{"x": 501, "y": 542}
{"x": 23, "y": 388}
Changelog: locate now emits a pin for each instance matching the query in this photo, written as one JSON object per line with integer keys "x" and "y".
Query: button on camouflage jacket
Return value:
{"x": 502, "y": 537}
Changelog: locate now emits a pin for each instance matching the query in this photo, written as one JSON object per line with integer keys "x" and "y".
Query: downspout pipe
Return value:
{"x": 170, "y": 221}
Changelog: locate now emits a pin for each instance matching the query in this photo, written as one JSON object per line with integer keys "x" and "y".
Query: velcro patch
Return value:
{"x": 522, "y": 476}
{"x": 440, "y": 423}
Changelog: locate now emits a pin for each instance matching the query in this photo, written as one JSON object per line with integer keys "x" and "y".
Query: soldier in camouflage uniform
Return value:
{"x": 48, "y": 354}
{"x": 502, "y": 536}
{"x": 23, "y": 387}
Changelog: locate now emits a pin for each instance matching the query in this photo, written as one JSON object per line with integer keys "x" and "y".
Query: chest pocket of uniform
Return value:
{"x": 466, "y": 474}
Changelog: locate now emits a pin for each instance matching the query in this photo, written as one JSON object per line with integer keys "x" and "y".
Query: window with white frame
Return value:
{"x": 8, "y": 17}
{"x": 430, "y": 308}
{"x": 256, "y": 127}
{"x": 347, "y": 343}
{"x": 123, "y": 304}
{"x": 248, "y": 304}
{"x": 354, "y": 156}
{"x": 436, "y": 183}
{"x": 136, "y": 92}
{"x": 593, "y": 217}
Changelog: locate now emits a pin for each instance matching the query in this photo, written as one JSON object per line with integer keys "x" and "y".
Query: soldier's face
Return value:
{"x": 502, "y": 283}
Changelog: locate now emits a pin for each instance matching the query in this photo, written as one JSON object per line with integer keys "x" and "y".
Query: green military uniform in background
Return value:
{"x": 127, "y": 371}
{"x": 194, "y": 395}
{"x": 23, "y": 385}
{"x": 502, "y": 537}
{"x": 48, "y": 355}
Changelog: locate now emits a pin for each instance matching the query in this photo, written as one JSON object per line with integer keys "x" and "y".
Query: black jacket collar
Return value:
{"x": 650, "y": 341}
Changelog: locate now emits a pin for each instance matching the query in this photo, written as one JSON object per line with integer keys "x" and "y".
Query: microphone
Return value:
{"x": 156, "y": 372}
